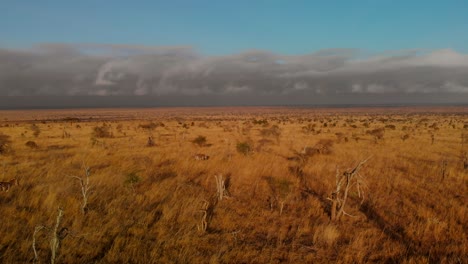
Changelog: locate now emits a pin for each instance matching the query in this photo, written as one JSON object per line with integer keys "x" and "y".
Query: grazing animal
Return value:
{"x": 5, "y": 186}
{"x": 201, "y": 157}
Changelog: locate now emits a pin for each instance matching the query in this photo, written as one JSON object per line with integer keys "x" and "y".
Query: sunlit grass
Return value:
{"x": 146, "y": 202}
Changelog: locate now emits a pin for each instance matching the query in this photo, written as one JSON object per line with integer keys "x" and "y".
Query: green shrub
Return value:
{"x": 244, "y": 148}
{"x": 132, "y": 179}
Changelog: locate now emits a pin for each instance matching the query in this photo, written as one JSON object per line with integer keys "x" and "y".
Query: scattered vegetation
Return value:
{"x": 306, "y": 196}
{"x": 262, "y": 122}
{"x": 244, "y": 148}
{"x": 150, "y": 142}
{"x": 377, "y": 133}
{"x": 5, "y": 143}
{"x": 200, "y": 141}
{"x": 36, "y": 130}
{"x": 151, "y": 125}
{"x": 102, "y": 132}
{"x": 132, "y": 179}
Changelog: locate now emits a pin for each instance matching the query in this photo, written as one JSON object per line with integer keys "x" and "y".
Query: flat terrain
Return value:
{"x": 281, "y": 185}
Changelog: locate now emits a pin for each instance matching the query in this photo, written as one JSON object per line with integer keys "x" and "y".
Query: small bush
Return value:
{"x": 200, "y": 141}
{"x": 309, "y": 128}
{"x": 243, "y": 148}
{"x": 4, "y": 143}
{"x": 102, "y": 132}
{"x": 404, "y": 137}
{"x": 132, "y": 179}
{"x": 36, "y": 130}
{"x": 263, "y": 122}
{"x": 280, "y": 187}
{"x": 340, "y": 136}
{"x": 31, "y": 144}
{"x": 150, "y": 142}
{"x": 377, "y": 133}
{"x": 149, "y": 126}
{"x": 324, "y": 146}
{"x": 273, "y": 131}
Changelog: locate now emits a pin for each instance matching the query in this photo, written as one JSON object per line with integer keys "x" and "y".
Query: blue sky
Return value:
{"x": 227, "y": 27}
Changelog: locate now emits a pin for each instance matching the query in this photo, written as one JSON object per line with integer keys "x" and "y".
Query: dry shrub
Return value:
{"x": 244, "y": 148}
{"x": 262, "y": 122}
{"x": 262, "y": 144}
{"x": 151, "y": 125}
{"x": 36, "y": 130}
{"x": 131, "y": 179}
{"x": 377, "y": 133}
{"x": 150, "y": 142}
{"x": 200, "y": 141}
{"x": 279, "y": 187}
{"x": 161, "y": 174}
{"x": 405, "y": 137}
{"x": 5, "y": 142}
{"x": 309, "y": 128}
{"x": 340, "y": 136}
{"x": 102, "y": 132}
{"x": 31, "y": 144}
{"x": 324, "y": 146}
{"x": 273, "y": 131}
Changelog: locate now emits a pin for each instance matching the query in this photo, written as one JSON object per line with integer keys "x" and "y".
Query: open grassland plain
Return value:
{"x": 234, "y": 185}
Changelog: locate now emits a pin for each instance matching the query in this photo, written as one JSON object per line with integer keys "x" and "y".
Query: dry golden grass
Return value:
{"x": 147, "y": 203}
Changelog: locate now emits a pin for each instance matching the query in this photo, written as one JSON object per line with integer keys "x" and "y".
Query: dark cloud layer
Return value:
{"x": 253, "y": 77}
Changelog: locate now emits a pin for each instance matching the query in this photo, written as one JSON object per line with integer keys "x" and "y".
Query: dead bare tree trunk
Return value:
{"x": 84, "y": 183}
{"x": 345, "y": 180}
{"x": 204, "y": 222}
{"x": 36, "y": 230}
{"x": 220, "y": 187}
{"x": 56, "y": 237}
{"x": 55, "y": 240}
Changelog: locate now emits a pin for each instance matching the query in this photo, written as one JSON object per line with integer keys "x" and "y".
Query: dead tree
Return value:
{"x": 56, "y": 236}
{"x": 84, "y": 183}
{"x": 344, "y": 182}
{"x": 203, "y": 221}
{"x": 220, "y": 187}
{"x": 36, "y": 231}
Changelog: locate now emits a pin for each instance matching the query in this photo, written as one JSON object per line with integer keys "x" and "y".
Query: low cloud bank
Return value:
{"x": 124, "y": 70}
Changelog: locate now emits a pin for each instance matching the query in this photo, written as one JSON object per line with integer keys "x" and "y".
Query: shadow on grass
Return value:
{"x": 397, "y": 233}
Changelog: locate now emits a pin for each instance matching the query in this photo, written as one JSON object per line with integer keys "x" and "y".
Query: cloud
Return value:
{"x": 110, "y": 69}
